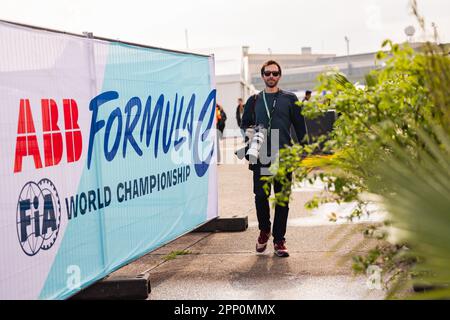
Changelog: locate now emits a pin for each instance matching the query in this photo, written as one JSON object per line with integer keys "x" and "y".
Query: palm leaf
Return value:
{"x": 416, "y": 193}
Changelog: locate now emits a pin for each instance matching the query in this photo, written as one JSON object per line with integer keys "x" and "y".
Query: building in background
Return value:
{"x": 233, "y": 80}
{"x": 300, "y": 72}
{"x": 287, "y": 61}
{"x": 238, "y": 73}
{"x": 355, "y": 67}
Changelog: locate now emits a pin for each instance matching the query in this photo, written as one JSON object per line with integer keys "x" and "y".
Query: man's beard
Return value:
{"x": 273, "y": 83}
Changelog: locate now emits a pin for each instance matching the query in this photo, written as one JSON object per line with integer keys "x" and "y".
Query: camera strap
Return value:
{"x": 270, "y": 113}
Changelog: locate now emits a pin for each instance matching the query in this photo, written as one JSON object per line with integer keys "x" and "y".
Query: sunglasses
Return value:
{"x": 274, "y": 73}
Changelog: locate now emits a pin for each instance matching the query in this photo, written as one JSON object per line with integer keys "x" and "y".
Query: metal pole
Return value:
{"x": 348, "y": 55}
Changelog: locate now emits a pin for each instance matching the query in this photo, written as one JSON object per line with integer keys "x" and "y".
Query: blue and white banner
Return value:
{"x": 107, "y": 152}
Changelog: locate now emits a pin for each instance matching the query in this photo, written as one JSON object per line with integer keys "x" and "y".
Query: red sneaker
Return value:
{"x": 261, "y": 244}
{"x": 280, "y": 249}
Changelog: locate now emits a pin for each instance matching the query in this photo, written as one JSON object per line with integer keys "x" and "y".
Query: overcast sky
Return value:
{"x": 281, "y": 25}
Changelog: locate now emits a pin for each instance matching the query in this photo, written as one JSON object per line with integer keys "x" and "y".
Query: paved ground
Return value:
{"x": 225, "y": 266}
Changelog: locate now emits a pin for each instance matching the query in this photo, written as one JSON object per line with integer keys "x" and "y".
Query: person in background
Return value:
{"x": 307, "y": 96}
{"x": 221, "y": 118}
{"x": 239, "y": 111}
{"x": 239, "y": 114}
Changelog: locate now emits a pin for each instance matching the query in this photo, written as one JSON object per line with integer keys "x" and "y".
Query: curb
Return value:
{"x": 234, "y": 224}
{"x": 114, "y": 288}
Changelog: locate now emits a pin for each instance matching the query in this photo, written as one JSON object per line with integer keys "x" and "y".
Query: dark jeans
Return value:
{"x": 263, "y": 208}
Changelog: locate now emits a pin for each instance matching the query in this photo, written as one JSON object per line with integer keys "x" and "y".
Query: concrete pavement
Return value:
{"x": 225, "y": 266}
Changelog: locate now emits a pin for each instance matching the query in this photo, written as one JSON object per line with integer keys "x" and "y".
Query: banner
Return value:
{"x": 107, "y": 152}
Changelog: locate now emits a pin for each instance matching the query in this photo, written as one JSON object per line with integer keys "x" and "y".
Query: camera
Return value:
{"x": 256, "y": 142}
{"x": 254, "y": 139}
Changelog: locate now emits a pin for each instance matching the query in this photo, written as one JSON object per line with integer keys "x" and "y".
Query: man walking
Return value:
{"x": 276, "y": 111}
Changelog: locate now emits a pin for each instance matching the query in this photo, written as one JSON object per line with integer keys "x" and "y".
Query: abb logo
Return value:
{"x": 27, "y": 143}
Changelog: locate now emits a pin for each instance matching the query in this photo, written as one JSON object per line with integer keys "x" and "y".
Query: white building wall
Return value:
{"x": 233, "y": 81}
{"x": 227, "y": 95}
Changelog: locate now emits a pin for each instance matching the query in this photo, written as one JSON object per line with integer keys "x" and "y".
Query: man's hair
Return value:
{"x": 308, "y": 92}
{"x": 268, "y": 63}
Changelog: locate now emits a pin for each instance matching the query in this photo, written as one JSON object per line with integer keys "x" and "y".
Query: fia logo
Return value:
{"x": 38, "y": 216}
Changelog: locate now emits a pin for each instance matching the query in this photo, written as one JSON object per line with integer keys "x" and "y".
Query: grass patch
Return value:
{"x": 173, "y": 255}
